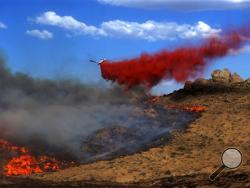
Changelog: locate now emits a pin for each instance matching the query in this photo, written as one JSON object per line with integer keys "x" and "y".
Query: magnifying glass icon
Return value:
{"x": 231, "y": 158}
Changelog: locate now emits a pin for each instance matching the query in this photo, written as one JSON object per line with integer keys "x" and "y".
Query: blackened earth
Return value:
{"x": 152, "y": 126}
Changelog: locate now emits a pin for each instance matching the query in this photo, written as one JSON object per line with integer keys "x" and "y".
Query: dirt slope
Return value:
{"x": 225, "y": 123}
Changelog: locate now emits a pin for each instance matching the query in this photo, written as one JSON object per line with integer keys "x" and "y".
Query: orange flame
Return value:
{"x": 10, "y": 147}
{"x": 22, "y": 165}
{"x": 189, "y": 108}
{"x": 25, "y": 163}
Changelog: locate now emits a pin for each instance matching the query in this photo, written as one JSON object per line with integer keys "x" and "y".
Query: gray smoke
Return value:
{"x": 73, "y": 120}
{"x": 57, "y": 113}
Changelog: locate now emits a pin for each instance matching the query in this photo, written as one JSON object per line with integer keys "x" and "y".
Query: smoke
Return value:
{"x": 76, "y": 121}
{"x": 180, "y": 64}
{"x": 57, "y": 114}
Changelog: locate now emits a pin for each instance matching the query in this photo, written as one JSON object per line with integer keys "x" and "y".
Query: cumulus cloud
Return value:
{"x": 149, "y": 30}
{"x": 67, "y": 22}
{"x": 42, "y": 34}
{"x": 188, "y": 5}
{"x": 2, "y": 25}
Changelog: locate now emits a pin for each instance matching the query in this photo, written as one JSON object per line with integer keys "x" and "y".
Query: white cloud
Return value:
{"x": 149, "y": 30}
{"x": 67, "y": 22}
{"x": 42, "y": 34}
{"x": 181, "y": 4}
{"x": 2, "y": 25}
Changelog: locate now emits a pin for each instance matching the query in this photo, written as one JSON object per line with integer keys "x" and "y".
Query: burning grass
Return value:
{"x": 152, "y": 126}
{"x": 189, "y": 108}
{"x": 25, "y": 163}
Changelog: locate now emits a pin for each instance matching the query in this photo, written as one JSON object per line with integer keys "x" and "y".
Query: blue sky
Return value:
{"x": 55, "y": 39}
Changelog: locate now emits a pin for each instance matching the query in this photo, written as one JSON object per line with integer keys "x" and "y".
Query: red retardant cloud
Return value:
{"x": 180, "y": 64}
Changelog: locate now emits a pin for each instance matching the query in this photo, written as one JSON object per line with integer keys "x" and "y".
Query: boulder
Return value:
{"x": 247, "y": 81}
{"x": 201, "y": 81}
{"x": 235, "y": 78}
{"x": 188, "y": 85}
{"x": 221, "y": 76}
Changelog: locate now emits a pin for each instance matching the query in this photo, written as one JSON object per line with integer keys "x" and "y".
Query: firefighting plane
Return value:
{"x": 97, "y": 62}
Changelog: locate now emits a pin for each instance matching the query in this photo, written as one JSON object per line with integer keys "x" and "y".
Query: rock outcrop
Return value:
{"x": 225, "y": 76}
{"x": 222, "y": 80}
{"x": 222, "y": 76}
{"x": 235, "y": 78}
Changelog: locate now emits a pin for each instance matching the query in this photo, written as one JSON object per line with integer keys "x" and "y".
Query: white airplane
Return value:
{"x": 100, "y": 62}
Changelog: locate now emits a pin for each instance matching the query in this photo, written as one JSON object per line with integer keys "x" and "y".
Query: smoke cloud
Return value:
{"x": 180, "y": 64}
{"x": 57, "y": 114}
{"x": 71, "y": 120}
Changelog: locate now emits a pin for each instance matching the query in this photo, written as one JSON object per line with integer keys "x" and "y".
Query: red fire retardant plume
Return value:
{"x": 180, "y": 64}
